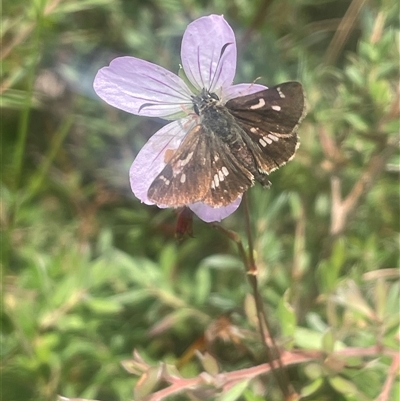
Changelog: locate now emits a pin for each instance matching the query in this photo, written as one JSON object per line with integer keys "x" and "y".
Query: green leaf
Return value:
{"x": 287, "y": 316}
{"x": 147, "y": 382}
{"x": 312, "y": 388}
{"x": 222, "y": 262}
{"x": 328, "y": 341}
{"x": 344, "y": 386}
{"x": 308, "y": 339}
{"x": 355, "y": 75}
{"x": 235, "y": 392}
{"x": 356, "y": 121}
{"x": 74, "y": 7}
{"x": 250, "y": 396}
{"x": 202, "y": 288}
{"x": 107, "y": 306}
{"x": 349, "y": 295}
{"x": 168, "y": 258}
{"x": 313, "y": 370}
{"x": 329, "y": 270}
{"x": 209, "y": 363}
{"x": 381, "y": 92}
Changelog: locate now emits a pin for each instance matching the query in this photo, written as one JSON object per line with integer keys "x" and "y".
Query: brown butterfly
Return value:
{"x": 233, "y": 146}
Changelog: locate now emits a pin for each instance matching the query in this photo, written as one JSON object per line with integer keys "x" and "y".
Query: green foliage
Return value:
{"x": 89, "y": 275}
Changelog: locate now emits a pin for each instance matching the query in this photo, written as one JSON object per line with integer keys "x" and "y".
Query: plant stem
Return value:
{"x": 22, "y": 134}
{"x": 25, "y": 114}
{"x": 264, "y": 327}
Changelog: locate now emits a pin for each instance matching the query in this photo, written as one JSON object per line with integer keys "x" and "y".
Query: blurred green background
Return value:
{"x": 89, "y": 274}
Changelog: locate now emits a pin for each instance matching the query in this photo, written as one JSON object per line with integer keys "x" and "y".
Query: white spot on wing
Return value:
{"x": 186, "y": 160}
{"x": 267, "y": 139}
{"x": 166, "y": 181}
{"x": 276, "y": 108}
{"x": 262, "y": 142}
{"x": 281, "y": 94}
{"x": 261, "y": 103}
{"x": 183, "y": 178}
{"x": 273, "y": 137}
{"x": 225, "y": 171}
{"x": 221, "y": 175}
{"x": 216, "y": 180}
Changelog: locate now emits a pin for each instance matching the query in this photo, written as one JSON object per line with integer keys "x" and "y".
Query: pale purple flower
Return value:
{"x": 145, "y": 89}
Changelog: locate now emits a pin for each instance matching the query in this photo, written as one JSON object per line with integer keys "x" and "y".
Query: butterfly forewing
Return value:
{"x": 201, "y": 169}
{"x": 186, "y": 177}
{"x": 270, "y": 119}
{"x": 279, "y": 108}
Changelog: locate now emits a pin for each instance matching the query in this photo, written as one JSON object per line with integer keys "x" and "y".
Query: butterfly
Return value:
{"x": 234, "y": 145}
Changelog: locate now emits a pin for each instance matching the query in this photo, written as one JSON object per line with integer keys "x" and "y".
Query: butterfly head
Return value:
{"x": 204, "y": 100}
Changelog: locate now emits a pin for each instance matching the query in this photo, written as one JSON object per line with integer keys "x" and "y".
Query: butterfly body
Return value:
{"x": 234, "y": 145}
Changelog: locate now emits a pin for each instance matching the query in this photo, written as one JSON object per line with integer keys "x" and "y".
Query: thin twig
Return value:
{"x": 252, "y": 269}
{"x": 342, "y": 33}
{"x": 235, "y": 237}
{"x": 289, "y": 358}
{"x": 273, "y": 351}
{"x": 264, "y": 328}
{"x": 228, "y": 379}
{"x": 262, "y": 321}
{"x": 27, "y": 31}
{"x": 341, "y": 210}
{"x": 387, "y": 387}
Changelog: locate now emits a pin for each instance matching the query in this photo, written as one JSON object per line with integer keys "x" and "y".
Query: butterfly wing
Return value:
{"x": 269, "y": 120}
{"x": 202, "y": 169}
{"x": 229, "y": 178}
{"x": 186, "y": 177}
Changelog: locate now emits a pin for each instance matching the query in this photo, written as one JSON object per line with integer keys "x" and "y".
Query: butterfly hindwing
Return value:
{"x": 229, "y": 178}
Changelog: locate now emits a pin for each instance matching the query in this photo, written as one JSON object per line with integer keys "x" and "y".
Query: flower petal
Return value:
{"x": 210, "y": 214}
{"x": 241, "y": 90}
{"x": 143, "y": 88}
{"x": 209, "y": 53}
{"x": 151, "y": 159}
